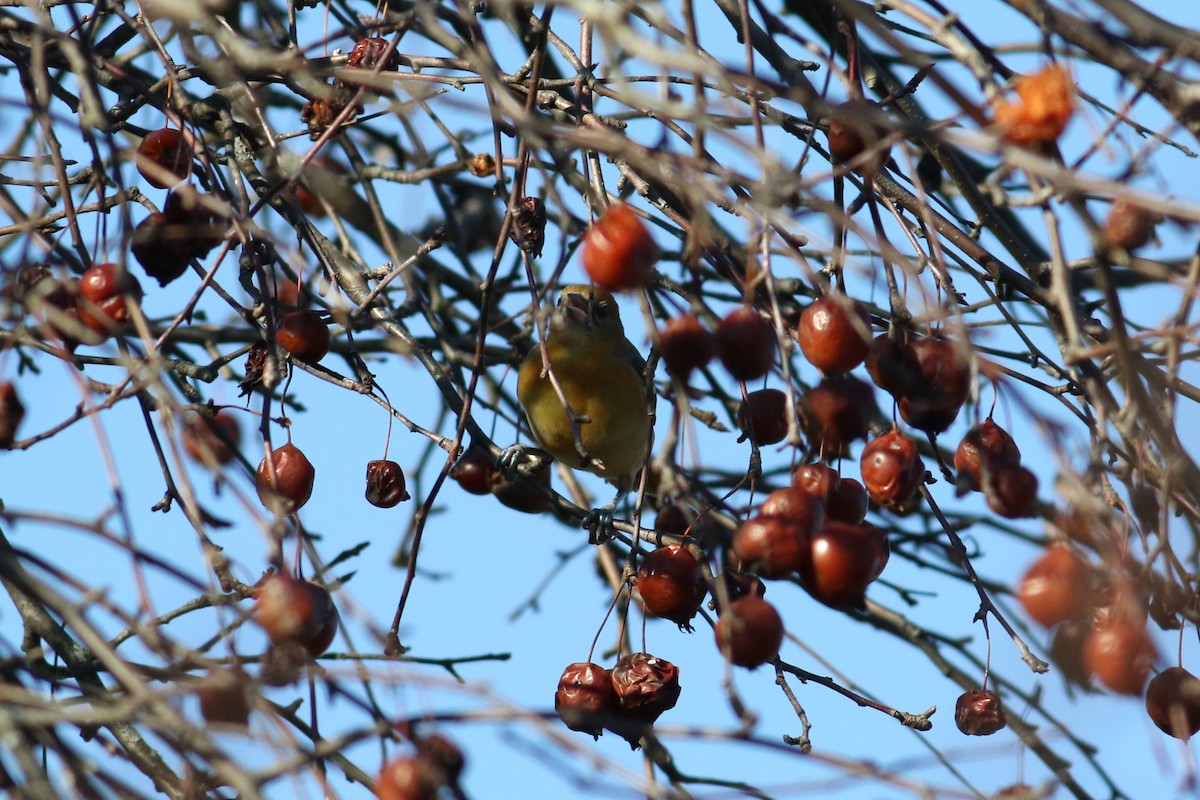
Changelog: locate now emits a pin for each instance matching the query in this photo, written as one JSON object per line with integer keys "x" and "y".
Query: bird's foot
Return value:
{"x": 599, "y": 523}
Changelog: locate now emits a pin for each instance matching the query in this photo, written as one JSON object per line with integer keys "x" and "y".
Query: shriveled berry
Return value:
{"x": 838, "y": 411}
{"x": 1057, "y": 588}
{"x": 1173, "y": 702}
{"x": 646, "y": 686}
{"x": 686, "y": 345}
{"x": 304, "y": 335}
{"x": 294, "y": 611}
{"x": 892, "y": 470}
{"x": 1119, "y": 654}
{"x": 284, "y": 480}
{"x": 1011, "y": 491}
{"x": 213, "y": 437}
{"x": 979, "y": 712}
{"x": 1127, "y": 226}
{"x": 164, "y": 158}
{"x": 618, "y": 251}
{"x": 671, "y": 584}
{"x": 585, "y": 698}
{"x": 746, "y": 344}
{"x": 985, "y": 447}
{"x": 763, "y": 417}
{"x": 750, "y": 632}
{"x": 11, "y": 414}
{"x": 225, "y": 697}
{"x": 385, "y": 484}
{"x": 834, "y": 333}
{"x": 368, "y": 53}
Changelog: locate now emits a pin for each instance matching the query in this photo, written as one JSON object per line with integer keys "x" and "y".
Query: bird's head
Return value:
{"x": 583, "y": 307}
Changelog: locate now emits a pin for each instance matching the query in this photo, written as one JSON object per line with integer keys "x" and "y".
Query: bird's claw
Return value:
{"x": 510, "y": 458}
{"x": 599, "y": 524}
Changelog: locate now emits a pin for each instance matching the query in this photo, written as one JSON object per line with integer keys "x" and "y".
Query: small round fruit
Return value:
{"x": 1011, "y": 492}
{"x": 385, "y": 484}
{"x": 798, "y": 507}
{"x": 407, "y": 778}
{"x": 646, "y": 686}
{"x": 618, "y": 251}
{"x": 1127, "y": 226}
{"x": 12, "y": 411}
{"x": 528, "y": 494}
{"x": 1119, "y": 653}
{"x": 164, "y": 158}
{"x": 819, "y": 480}
{"x": 852, "y": 133}
{"x": 225, "y": 697}
{"x": 1173, "y": 702}
{"x": 105, "y": 294}
{"x": 834, "y": 333}
{"x": 293, "y": 611}
{"x": 763, "y": 417}
{"x": 750, "y": 632}
{"x": 945, "y": 384}
{"x": 746, "y": 344}
{"x": 892, "y": 470}
{"x": 849, "y": 502}
{"x": 442, "y": 754}
{"x": 674, "y": 519}
{"x": 837, "y": 411}
{"x": 304, "y": 335}
{"x": 585, "y": 697}
{"x": 368, "y": 52}
{"x": 474, "y": 471}
{"x": 772, "y": 547}
{"x": 1057, "y": 588}
{"x": 671, "y": 584}
{"x": 842, "y": 562}
{"x": 985, "y": 447}
{"x": 686, "y": 345}
{"x": 892, "y": 364}
{"x": 216, "y": 437}
{"x": 285, "y": 479}
{"x": 979, "y": 712}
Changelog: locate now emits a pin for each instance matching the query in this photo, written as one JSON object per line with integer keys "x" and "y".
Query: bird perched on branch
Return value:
{"x": 601, "y": 421}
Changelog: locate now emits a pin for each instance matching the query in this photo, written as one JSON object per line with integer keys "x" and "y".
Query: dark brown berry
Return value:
{"x": 1011, "y": 491}
{"x": 294, "y": 611}
{"x": 984, "y": 448}
{"x": 475, "y": 470}
{"x": 529, "y": 494}
{"x": 750, "y": 632}
{"x": 1173, "y": 702}
{"x": 945, "y": 384}
{"x": 671, "y": 584}
{"x": 1127, "y": 226}
{"x": 838, "y": 411}
{"x": 686, "y": 345}
{"x": 834, "y": 333}
{"x": 796, "y": 507}
{"x": 225, "y": 697}
{"x": 368, "y": 53}
{"x": 842, "y": 561}
{"x": 385, "y": 484}
{"x": 746, "y": 344}
{"x": 586, "y": 699}
{"x": 304, "y": 335}
{"x": 11, "y": 414}
{"x": 646, "y": 686}
{"x": 893, "y": 365}
{"x": 214, "y": 438}
{"x": 285, "y": 479}
{"x": 529, "y": 225}
{"x": 892, "y": 470}
{"x": 772, "y": 547}
{"x": 763, "y": 417}
{"x": 164, "y": 158}
{"x": 979, "y": 712}
{"x": 852, "y": 133}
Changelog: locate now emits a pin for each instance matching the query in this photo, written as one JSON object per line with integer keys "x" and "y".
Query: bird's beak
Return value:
{"x": 577, "y": 308}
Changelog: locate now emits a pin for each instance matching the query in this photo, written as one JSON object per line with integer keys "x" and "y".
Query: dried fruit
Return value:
{"x": 892, "y": 470}
{"x": 106, "y": 292}
{"x": 842, "y": 561}
{"x": 1046, "y": 105}
{"x": 1173, "y": 702}
{"x": 1119, "y": 653}
{"x": 773, "y": 547}
{"x": 304, "y": 335}
{"x": 646, "y": 686}
{"x": 1127, "y": 226}
{"x": 1011, "y": 491}
{"x": 671, "y": 584}
{"x": 385, "y": 484}
{"x": 618, "y": 251}
{"x": 763, "y": 417}
{"x": 225, "y": 697}
{"x": 979, "y": 712}
{"x": 529, "y": 225}
{"x": 368, "y": 53}
{"x": 746, "y": 344}
{"x": 685, "y": 345}
{"x": 1057, "y": 588}
{"x": 284, "y": 480}
{"x": 586, "y": 699}
{"x": 11, "y": 414}
{"x": 838, "y": 411}
{"x": 214, "y": 437}
{"x": 834, "y": 333}
{"x": 750, "y": 632}
{"x": 294, "y": 611}
{"x": 984, "y": 448}
{"x": 164, "y": 158}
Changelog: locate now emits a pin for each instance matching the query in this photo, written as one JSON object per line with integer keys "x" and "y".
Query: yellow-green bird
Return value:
{"x": 600, "y": 374}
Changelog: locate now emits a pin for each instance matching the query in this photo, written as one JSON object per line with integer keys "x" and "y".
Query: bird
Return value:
{"x": 600, "y": 374}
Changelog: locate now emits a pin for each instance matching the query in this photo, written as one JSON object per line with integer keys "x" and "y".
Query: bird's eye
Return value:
{"x": 601, "y": 311}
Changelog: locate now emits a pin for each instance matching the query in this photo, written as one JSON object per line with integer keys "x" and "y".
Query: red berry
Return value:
{"x": 407, "y": 778}
{"x": 686, "y": 345}
{"x": 1057, "y": 588}
{"x": 671, "y": 584}
{"x": 1127, "y": 226}
{"x": 225, "y": 697}
{"x": 819, "y": 480}
{"x": 674, "y": 519}
{"x": 851, "y": 133}
{"x": 164, "y": 158}
{"x": 763, "y": 417}
{"x": 834, "y": 333}
{"x": 945, "y": 384}
{"x": 849, "y": 502}
{"x": 531, "y": 494}
{"x": 985, "y": 447}
{"x": 837, "y": 411}
{"x": 1119, "y": 654}
{"x": 285, "y": 479}
{"x": 293, "y": 611}
{"x": 892, "y": 470}
{"x": 979, "y": 712}
{"x": 385, "y": 484}
{"x": 11, "y": 414}
{"x": 1173, "y": 702}
{"x": 746, "y": 344}
{"x": 367, "y": 53}
{"x": 105, "y": 294}
{"x": 773, "y": 547}
{"x": 213, "y": 437}
{"x": 304, "y": 335}
{"x": 618, "y": 251}
{"x": 1011, "y": 492}
{"x": 842, "y": 561}
{"x": 646, "y": 686}
{"x": 475, "y": 469}
{"x": 585, "y": 698}
{"x": 892, "y": 364}
{"x": 750, "y": 632}
{"x": 796, "y": 507}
